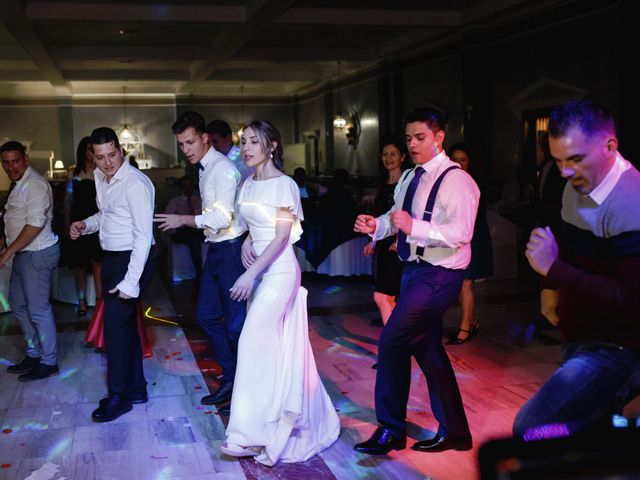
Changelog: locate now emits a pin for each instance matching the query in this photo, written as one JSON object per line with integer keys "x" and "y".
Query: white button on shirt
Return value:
{"x": 125, "y": 220}
{"x": 218, "y": 185}
{"x": 446, "y": 238}
{"x": 30, "y": 203}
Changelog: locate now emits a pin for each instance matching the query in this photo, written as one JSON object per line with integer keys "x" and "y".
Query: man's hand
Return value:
{"x": 243, "y": 287}
{"x": 402, "y": 221}
{"x": 76, "y": 229}
{"x": 168, "y": 221}
{"x": 369, "y": 248}
{"x": 365, "y": 224}
{"x": 4, "y": 257}
{"x": 121, "y": 294}
{"x": 542, "y": 250}
{"x": 248, "y": 254}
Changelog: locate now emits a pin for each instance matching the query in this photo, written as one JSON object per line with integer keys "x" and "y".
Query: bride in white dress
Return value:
{"x": 280, "y": 410}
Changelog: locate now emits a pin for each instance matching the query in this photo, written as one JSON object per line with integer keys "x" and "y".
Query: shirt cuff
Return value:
{"x": 377, "y": 233}
{"x": 131, "y": 290}
{"x": 199, "y": 219}
{"x": 419, "y": 232}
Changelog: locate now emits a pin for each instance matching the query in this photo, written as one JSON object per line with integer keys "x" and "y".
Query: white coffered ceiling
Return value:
{"x": 221, "y": 49}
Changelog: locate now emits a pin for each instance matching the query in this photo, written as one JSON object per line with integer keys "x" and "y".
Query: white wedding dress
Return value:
{"x": 280, "y": 410}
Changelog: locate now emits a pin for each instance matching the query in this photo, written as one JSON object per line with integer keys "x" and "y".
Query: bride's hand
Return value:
{"x": 242, "y": 288}
{"x": 248, "y": 254}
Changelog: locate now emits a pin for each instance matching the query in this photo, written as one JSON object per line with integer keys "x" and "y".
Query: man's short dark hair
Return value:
{"x": 219, "y": 127}
{"x": 589, "y": 116}
{"x": 11, "y": 146}
{"x": 102, "y": 135}
{"x": 426, "y": 115}
{"x": 189, "y": 119}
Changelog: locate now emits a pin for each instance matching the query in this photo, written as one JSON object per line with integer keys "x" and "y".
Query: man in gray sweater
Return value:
{"x": 596, "y": 267}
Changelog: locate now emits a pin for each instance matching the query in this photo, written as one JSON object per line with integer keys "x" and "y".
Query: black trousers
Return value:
{"x": 415, "y": 329}
{"x": 125, "y": 375}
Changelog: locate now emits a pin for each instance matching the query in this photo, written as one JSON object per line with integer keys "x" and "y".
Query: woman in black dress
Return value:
{"x": 481, "y": 265}
{"x": 81, "y": 195}
{"x": 387, "y": 268}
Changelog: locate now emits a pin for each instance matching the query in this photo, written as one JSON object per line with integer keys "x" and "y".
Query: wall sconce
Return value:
{"x": 352, "y": 129}
{"x": 339, "y": 121}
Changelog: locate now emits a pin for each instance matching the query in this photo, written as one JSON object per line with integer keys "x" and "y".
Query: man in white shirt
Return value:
{"x": 125, "y": 198}
{"x": 434, "y": 213}
{"x": 28, "y": 211}
{"x": 220, "y": 317}
{"x": 220, "y": 138}
{"x": 188, "y": 204}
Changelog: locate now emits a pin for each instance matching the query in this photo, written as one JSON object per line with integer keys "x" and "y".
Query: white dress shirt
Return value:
{"x": 600, "y": 193}
{"x": 218, "y": 185}
{"x": 446, "y": 238}
{"x": 30, "y": 203}
{"x": 125, "y": 220}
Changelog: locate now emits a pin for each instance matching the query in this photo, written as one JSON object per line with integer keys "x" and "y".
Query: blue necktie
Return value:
{"x": 403, "y": 247}
{"x": 200, "y": 166}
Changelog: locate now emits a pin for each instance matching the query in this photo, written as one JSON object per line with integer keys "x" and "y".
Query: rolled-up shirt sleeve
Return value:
{"x": 218, "y": 213}
{"x": 140, "y": 202}
{"x": 38, "y": 203}
{"x": 453, "y": 226}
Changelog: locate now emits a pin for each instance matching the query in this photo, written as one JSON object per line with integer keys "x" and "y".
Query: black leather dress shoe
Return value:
{"x": 111, "y": 408}
{"x": 381, "y": 442}
{"x": 38, "y": 373}
{"x": 440, "y": 444}
{"x": 135, "y": 399}
{"x": 24, "y": 366}
{"x": 223, "y": 394}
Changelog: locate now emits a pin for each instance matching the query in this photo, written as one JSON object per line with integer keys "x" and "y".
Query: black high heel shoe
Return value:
{"x": 470, "y": 335}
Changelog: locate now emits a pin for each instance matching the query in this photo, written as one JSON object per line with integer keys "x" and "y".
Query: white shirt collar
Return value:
{"x": 434, "y": 162}
{"x": 210, "y": 156}
{"x": 120, "y": 173}
{"x": 25, "y": 175}
{"x": 602, "y": 191}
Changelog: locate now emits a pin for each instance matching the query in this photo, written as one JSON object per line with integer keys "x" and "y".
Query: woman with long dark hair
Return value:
{"x": 481, "y": 265}
{"x": 81, "y": 203}
{"x": 387, "y": 267}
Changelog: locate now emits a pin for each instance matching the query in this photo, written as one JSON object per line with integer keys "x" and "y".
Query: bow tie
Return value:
{"x": 200, "y": 166}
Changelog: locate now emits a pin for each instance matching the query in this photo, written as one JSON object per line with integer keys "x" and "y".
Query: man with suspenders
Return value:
{"x": 434, "y": 213}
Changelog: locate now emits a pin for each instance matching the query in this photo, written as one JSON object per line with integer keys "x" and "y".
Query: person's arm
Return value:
{"x": 244, "y": 285}
{"x": 224, "y": 182}
{"x": 37, "y": 203}
{"x": 459, "y": 196}
{"x": 600, "y": 289}
{"x": 170, "y": 220}
{"x": 140, "y": 202}
{"x": 92, "y": 223}
{"x": 24, "y": 238}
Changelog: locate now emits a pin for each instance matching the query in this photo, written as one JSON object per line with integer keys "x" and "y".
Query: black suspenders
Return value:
{"x": 431, "y": 201}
